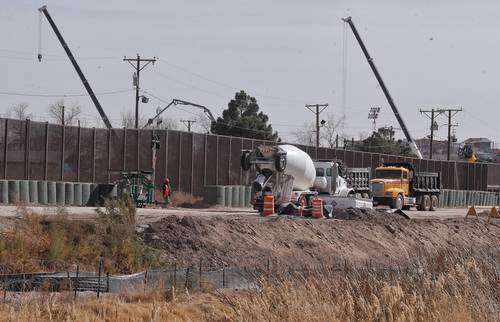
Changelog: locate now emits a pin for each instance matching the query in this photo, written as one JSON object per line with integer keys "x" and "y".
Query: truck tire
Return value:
{"x": 434, "y": 202}
{"x": 426, "y": 203}
{"x": 280, "y": 163}
{"x": 406, "y": 207}
{"x": 245, "y": 161}
{"x": 397, "y": 203}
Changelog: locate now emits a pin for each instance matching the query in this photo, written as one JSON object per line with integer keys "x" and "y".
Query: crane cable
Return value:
{"x": 39, "y": 56}
{"x": 344, "y": 72}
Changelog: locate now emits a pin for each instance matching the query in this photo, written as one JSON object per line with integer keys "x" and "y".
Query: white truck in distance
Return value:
{"x": 291, "y": 176}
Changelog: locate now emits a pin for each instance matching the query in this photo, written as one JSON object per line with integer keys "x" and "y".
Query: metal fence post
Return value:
{"x": 205, "y": 161}
{"x": 166, "y": 153}
{"x": 27, "y": 147}
{"x": 124, "y": 161}
{"x": 179, "y": 163}
{"x": 109, "y": 155}
{"x": 5, "y": 143}
{"x": 192, "y": 163}
{"x": 63, "y": 138}
{"x": 79, "y": 148}
{"x": 229, "y": 162}
{"x": 99, "y": 278}
{"x": 46, "y": 161}
{"x": 137, "y": 149}
{"x": 217, "y": 161}
{"x": 93, "y": 154}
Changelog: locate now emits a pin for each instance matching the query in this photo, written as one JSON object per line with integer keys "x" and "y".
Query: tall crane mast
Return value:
{"x": 86, "y": 84}
{"x": 388, "y": 96}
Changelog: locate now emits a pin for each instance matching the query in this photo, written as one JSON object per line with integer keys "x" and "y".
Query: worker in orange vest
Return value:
{"x": 166, "y": 191}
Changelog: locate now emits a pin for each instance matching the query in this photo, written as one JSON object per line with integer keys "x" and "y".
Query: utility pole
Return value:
{"x": 317, "y": 109}
{"x": 434, "y": 126}
{"x": 450, "y": 115}
{"x": 138, "y": 66}
{"x": 188, "y": 123}
{"x": 434, "y": 113}
{"x": 62, "y": 115}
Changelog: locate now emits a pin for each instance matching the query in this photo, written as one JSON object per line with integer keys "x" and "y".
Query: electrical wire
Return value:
{"x": 62, "y": 95}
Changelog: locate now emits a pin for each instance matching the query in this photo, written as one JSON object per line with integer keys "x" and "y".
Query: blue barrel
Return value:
{"x": 24, "y": 191}
{"x": 33, "y": 191}
{"x": 4, "y": 191}
{"x": 42, "y": 192}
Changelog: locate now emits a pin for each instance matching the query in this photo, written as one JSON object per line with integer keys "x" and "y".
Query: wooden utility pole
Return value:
{"x": 317, "y": 109}
{"x": 138, "y": 66}
{"x": 188, "y": 123}
{"x": 434, "y": 113}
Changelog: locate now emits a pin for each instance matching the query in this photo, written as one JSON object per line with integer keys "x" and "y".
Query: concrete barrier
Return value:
{"x": 60, "y": 193}
{"x": 51, "y": 193}
{"x": 242, "y": 203}
{"x": 248, "y": 196}
{"x": 77, "y": 194}
{"x": 33, "y": 191}
{"x": 228, "y": 196}
{"x": 69, "y": 193}
{"x": 4, "y": 191}
{"x": 235, "y": 201}
{"x": 13, "y": 188}
{"x": 42, "y": 192}
{"x": 24, "y": 191}
{"x": 85, "y": 193}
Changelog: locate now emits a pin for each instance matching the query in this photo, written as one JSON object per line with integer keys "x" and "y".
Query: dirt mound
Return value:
{"x": 366, "y": 235}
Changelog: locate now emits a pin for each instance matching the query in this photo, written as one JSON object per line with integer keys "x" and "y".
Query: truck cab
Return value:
{"x": 329, "y": 180}
{"x": 398, "y": 185}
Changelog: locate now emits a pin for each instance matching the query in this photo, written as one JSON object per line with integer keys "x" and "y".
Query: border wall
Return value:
{"x": 51, "y": 152}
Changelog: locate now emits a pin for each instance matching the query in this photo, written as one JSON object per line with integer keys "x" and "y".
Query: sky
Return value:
{"x": 286, "y": 53}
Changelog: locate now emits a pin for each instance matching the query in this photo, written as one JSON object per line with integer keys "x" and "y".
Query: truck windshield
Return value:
{"x": 388, "y": 174}
{"x": 320, "y": 172}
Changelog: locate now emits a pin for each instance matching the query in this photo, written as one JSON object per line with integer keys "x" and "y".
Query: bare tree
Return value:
{"x": 329, "y": 131}
{"x": 305, "y": 135}
{"x": 20, "y": 111}
{"x": 63, "y": 114}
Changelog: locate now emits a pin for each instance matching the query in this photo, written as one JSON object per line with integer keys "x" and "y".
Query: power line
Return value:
{"x": 61, "y": 95}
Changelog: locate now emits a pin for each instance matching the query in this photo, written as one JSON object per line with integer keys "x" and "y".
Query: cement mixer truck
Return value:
{"x": 290, "y": 175}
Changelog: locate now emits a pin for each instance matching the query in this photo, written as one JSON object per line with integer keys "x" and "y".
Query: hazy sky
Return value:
{"x": 285, "y": 53}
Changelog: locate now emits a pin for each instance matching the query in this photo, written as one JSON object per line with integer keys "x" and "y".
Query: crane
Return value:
{"x": 181, "y": 102}
{"x": 86, "y": 84}
{"x": 393, "y": 106}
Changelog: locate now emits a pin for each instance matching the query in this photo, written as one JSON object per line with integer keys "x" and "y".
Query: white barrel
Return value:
{"x": 300, "y": 166}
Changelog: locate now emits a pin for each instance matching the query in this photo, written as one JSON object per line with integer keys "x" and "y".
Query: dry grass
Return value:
{"x": 446, "y": 289}
{"x": 36, "y": 243}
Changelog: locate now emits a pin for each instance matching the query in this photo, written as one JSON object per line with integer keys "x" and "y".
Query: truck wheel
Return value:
{"x": 406, "y": 207}
{"x": 398, "y": 202}
{"x": 434, "y": 203}
{"x": 280, "y": 163}
{"x": 426, "y": 203}
{"x": 245, "y": 161}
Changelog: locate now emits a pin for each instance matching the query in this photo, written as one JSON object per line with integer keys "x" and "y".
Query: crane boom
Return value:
{"x": 86, "y": 84}
{"x": 181, "y": 102}
{"x": 388, "y": 96}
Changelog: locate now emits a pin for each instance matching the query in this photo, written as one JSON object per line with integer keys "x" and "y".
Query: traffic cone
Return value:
{"x": 493, "y": 214}
{"x": 471, "y": 212}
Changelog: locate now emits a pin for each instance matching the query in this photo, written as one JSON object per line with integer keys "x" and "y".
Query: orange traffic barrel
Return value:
{"x": 317, "y": 208}
{"x": 268, "y": 208}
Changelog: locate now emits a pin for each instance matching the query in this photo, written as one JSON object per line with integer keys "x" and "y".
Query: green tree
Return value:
{"x": 383, "y": 141}
{"x": 242, "y": 118}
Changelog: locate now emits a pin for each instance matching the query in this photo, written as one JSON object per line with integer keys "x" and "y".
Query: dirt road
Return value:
{"x": 151, "y": 215}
